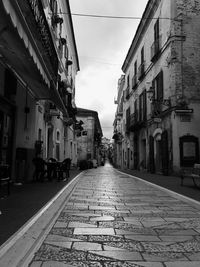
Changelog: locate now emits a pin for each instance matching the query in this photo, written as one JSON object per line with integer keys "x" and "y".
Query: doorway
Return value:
{"x": 49, "y": 142}
{"x": 5, "y": 138}
{"x": 158, "y": 155}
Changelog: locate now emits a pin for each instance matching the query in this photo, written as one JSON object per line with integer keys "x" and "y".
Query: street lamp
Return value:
{"x": 154, "y": 101}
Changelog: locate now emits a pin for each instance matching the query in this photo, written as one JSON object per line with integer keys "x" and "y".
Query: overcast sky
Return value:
{"x": 102, "y": 46}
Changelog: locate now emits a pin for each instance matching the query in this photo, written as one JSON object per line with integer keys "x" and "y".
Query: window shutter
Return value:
{"x": 160, "y": 86}
{"x": 145, "y": 105}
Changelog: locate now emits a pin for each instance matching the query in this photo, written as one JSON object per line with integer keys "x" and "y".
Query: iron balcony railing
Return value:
{"x": 133, "y": 119}
{"x": 44, "y": 32}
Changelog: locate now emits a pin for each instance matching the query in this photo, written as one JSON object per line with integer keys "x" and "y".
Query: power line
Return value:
{"x": 113, "y": 17}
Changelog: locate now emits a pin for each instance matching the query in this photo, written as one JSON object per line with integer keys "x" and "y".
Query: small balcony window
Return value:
{"x": 155, "y": 49}
{"x": 141, "y": 71}
{"x": 134, "y": 82}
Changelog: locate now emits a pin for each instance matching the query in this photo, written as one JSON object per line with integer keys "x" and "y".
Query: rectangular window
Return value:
{"x": 136, "y": 110}
{"x": 141, "y": 70}
{"x": 142, "y": 106}
{"x": 128, "y": 82}
{"x": 142, "y": 55}
{"x": 128, "y": 113}
{"x": 159, "y": 86}
{"x": 135, "y": 68}
{"x": 156, "y": 30}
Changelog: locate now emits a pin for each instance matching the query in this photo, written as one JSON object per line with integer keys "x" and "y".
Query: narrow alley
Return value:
{"x": 113, "y": 219}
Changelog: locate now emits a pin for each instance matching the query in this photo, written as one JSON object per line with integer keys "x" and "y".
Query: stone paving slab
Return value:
{"x": 115, "y": 220}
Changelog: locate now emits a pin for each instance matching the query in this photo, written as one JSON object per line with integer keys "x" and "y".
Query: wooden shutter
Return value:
{"x": 144, "y": 105}
{"x": 160, "y": 86}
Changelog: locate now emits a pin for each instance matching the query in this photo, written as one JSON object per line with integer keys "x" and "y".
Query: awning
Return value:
{"x": 17, "y": 52}
{"x": 18, "y": 26}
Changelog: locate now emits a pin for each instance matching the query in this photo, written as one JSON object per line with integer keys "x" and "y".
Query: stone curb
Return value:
{"x": 168, "y": 191}
{"x": 18, "y": 250}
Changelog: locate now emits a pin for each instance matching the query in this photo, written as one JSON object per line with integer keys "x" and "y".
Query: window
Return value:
{"x": 158, "y": 83}
{"x": 142, "y": 55}
{"x": 136, "y": 110}
{"x": 134, "y": 80}
{"x": 142, "y": 106}
{"x": 141, "y": 71}
{"x": 155, "y": 48}
{"x": 53, "y": 6}
{"x": 128, "y": 82}
{"x": 66, "y": 52}
{"x": 135, "y": 68}
{"x": 128, "y": 119}
{"x": 156, "y": 30}
{"x": 57, "y": 136}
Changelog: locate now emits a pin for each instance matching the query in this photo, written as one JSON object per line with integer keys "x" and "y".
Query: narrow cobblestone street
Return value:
{"x": 112, "y": 219}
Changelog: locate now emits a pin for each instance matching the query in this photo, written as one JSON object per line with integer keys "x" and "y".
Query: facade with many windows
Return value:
{"x": 161, "y": 90}
{"x": 38, "y": 65}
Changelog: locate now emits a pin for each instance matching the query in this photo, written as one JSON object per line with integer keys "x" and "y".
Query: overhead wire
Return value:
{"x": 113, "y": 17}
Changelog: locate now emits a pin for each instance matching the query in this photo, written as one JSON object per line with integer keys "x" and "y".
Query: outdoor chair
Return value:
{"x": 52, "y": 166}
{"x": 40, "y": 169}
{"x": 64, "y": 168}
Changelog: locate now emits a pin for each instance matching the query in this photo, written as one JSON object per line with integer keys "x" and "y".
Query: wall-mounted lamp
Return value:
{"x": 153, "y": 100}
{"x": 150, "y": 94}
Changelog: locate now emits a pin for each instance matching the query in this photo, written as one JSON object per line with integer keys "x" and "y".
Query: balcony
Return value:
{"x": 43, "y": 33}
{"x": 135, "y": 123}
{"x": 133, "y": 119}
{"x": 141, "y": 71}
{"x": 134, "y": 82}
{"x": 155, "y": 49}
{"x": 27, "y": 45}
{"x": 156, "y": 109}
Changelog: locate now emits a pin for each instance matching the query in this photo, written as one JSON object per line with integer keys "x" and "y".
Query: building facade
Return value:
{"x": 36, "y": 118}
{"x": 118, "y": 125}
{"x": 161, "y": 90}
{"x": 88, "y": 135}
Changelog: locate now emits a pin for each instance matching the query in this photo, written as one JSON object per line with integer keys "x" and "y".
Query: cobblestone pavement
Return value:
{"x": 113, "y": 219}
